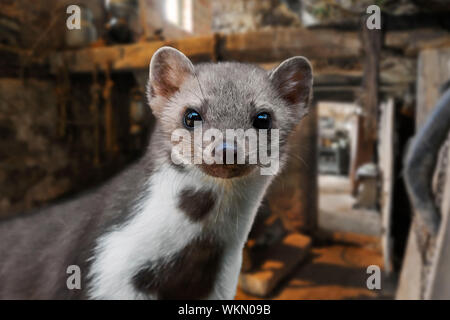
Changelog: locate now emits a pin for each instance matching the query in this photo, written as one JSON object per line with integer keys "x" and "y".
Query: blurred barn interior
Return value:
{"x": 73, "y": 112}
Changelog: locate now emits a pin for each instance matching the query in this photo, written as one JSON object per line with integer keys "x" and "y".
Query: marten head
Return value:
{"x": 226, "y": 119}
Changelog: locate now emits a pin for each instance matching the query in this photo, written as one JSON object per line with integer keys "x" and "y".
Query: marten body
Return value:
{"x": 160, "y": 229}
{"x": 121, "y": 246}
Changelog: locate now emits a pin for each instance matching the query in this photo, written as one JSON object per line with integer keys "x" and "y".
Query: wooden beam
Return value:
{"x": 257, "y": 46}
{"x": 335, "y": 93}
{"x": 280, "y": 260}
{"x": 411, "y": 42}
{"x": 323, "y": 46}
{"x": 132, "y": 56}
{"x": 396, "y": 71}
{"x": 349, "y": 93}
{"x": 281, "y": 43}
{"x": 278, "y": 44}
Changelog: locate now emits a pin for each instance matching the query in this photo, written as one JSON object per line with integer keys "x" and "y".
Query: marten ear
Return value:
{"x": 293, "y": 81}
{"x": 169, "y": 68}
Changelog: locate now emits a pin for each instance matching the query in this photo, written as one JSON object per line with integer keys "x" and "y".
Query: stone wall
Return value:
{"x": 32, "y": 164}
{"x": 202, "y": 17}
{"x": 40, "y": 163}
{"x": 245, "y": 15}
{"x": 40, "y": 25}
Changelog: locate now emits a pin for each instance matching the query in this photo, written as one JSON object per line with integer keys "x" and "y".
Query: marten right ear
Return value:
{"x": 169, "y": 68}
{"x": 293, "y": 80}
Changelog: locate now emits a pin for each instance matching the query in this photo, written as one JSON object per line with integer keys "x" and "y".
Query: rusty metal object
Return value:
{"x": 421, "y": 162}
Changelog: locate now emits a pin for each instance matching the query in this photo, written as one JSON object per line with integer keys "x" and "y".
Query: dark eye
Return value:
{"x": 262, "y": 120}
{"x": 190, "y": 117}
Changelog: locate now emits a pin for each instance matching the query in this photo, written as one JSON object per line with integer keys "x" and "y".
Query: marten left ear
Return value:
{"x": 169, "y": 68}
{"x": 293, "y": 80}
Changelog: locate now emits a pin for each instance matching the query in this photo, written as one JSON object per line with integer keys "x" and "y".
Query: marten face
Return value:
{"x": 227, "y": 119}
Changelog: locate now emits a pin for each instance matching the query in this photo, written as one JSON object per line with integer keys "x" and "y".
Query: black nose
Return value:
{"x": 230, "y": 152}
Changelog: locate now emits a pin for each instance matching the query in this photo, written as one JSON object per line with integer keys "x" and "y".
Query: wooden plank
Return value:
{"x": 280, "y": 261}
{"x": 409, "y": 284}
{"x": 414, "y": 41}
{"x": 257, "y": 46}
{"x": 281, "y": 43}
{"x": 386, "y": 164}
{"x": 133, "y": 56}
{"x": 263, "y": 46}
{"x": 394, "y": 69}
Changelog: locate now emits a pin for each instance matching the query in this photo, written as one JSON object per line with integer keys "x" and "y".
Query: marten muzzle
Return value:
{"x": 226, "y": 169}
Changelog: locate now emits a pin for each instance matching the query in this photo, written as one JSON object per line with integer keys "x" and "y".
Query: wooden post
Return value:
{"x": 386, "y": 166}
{"x": 308, "y": 181}
{"x": 371, "y": 44}
{"x": 369, "y": 99}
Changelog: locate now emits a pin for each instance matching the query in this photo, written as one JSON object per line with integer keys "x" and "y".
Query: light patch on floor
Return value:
{"x": 337, "y": 212}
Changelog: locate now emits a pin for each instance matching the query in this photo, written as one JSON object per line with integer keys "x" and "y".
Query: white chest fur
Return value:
{"x": 158, "y": 229}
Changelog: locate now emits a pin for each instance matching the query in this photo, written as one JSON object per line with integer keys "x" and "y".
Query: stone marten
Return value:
{"x": 167, "y": 227}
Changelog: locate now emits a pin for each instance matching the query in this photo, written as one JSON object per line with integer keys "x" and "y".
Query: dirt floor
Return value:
{"x": 336, "y": 268}
{"x": 336, "y": 265}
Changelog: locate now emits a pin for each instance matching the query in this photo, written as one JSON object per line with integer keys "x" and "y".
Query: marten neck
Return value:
{"x": 182, "y": 209}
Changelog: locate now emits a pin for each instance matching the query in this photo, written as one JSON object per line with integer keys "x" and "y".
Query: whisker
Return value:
{"x": 199, "y": 85}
